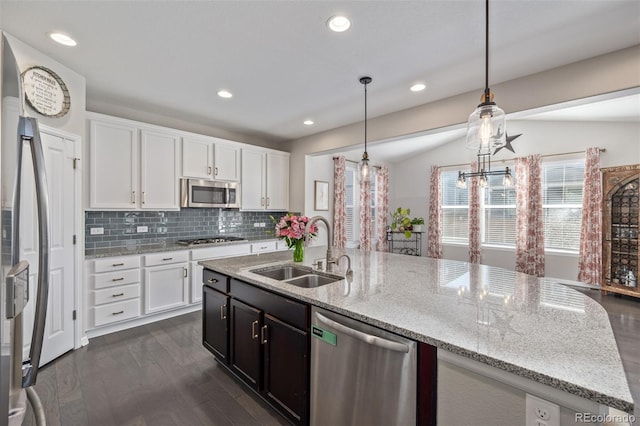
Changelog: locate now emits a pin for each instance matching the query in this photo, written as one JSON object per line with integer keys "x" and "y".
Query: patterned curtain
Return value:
{"x": 365, "y": 213}
{"x": 529, "y": 219}
{"x": 474, "y": 217}
{"x": 590, "y": 259}
{"x": 382, "y": 207}
{"x": 434, "y": 239}
{"x": 339, "y": 203}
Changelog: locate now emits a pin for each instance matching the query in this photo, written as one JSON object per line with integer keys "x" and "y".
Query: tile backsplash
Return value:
{"x": 121, "y": 228}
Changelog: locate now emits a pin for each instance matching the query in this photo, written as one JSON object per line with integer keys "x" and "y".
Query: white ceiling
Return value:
{"x": 284, "y": 66}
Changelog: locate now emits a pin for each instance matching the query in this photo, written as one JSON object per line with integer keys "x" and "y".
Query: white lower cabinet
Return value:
{"x": 126, "y": 291}
{"x": 196, "y": 282}
{"x": 166, "y": 276}
{"x": 114, "y": 293}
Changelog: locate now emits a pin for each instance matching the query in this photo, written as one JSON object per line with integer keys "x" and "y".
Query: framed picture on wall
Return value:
{"x": 321, "y": 195}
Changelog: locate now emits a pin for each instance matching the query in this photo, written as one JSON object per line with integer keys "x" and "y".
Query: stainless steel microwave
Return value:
{"x": 209, "y": 193}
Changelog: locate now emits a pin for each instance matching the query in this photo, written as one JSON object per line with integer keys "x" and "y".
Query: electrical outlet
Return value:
{"x": 96, "y": 231}
{"x": 540, "y": 412}
{"x": 142, "y": 229}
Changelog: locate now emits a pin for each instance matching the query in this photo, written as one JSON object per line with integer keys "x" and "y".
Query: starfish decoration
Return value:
{"x": 508, "y": 144}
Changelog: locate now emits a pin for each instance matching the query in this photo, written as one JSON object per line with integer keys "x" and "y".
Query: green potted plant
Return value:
{"x": 417, "y": 223}
{"x": 401, "y": 221}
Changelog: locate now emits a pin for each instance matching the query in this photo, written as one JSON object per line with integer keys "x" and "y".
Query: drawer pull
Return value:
{"x": 212, "y": 280}
{"x": 117, "y": 264}
{"x": 118, "y": 279}
{"x": 254, "y": 332}
{"x": 223, "y": 312}
{"x": 167, "y": 258}
{"x": 185, "y": 273}
{"x": 117, "y": 295}
{"x": 209, "y": 170}
{"x": 117, "y": 313}
{"x": 263, "y": 248}
{"x": 263, "y": 333}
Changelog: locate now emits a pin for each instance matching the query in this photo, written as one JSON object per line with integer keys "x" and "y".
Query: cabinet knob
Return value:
{"x": 254, "y": 332}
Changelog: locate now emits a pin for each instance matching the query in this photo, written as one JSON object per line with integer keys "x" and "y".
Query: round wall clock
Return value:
{"x": 45, "y": 92}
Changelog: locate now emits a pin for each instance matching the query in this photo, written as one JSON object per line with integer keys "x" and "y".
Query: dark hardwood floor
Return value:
{"x": 154, "y": 375}
{"x": 160, "y": 374}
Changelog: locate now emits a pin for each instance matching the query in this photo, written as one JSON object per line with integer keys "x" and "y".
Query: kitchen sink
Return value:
{"x": 311, "y": 281}
{"x": 299, "y": 276}
{"x": 282, "y": 273}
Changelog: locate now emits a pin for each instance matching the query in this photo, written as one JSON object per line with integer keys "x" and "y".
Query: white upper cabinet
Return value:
{"x": 226, "y": 162}
{"x": 210, "y": 158}
{"x": 265, "y": 180}
{"x": 113, "y": 168}
{"x": 197, "y": 158}
{"x": 159, "y": 153}
{"x": 132, "y": 167}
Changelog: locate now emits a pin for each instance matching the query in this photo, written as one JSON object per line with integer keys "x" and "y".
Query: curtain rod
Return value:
{"x": 512, "y": 159}
{"x": 354, "y": 162}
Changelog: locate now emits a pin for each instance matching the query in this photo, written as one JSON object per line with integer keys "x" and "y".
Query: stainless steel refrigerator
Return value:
{"x": 18, "y": 375}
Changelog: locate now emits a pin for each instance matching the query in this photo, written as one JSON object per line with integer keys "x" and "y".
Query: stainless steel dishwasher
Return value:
{"x": 360, "y": 375}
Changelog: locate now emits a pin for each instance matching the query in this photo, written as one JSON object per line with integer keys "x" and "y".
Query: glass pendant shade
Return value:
{"x": 364, "y": 168}
{"x": 461, "y": 182}
{"x": 486, "y": 128}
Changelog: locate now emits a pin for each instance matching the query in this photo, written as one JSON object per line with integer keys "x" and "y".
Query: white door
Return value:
{"x": 196, "y": 158}
{"x": 113, "y": 169}
{"x": 61, "y": 181}
{"x": 159, "y": 170}
{"x": 253, "y": 197}
{"x": 227, "y": 161}
{"x": 277, "y": 182}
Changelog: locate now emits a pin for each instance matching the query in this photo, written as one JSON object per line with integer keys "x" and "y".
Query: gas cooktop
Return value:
{"x": 209, "y": 240}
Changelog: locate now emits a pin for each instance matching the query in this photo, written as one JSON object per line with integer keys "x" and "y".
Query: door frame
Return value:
{"x": 79, "y": 336}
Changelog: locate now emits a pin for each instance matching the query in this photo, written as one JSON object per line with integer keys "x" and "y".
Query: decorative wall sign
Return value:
{"x": 45, "y": 92}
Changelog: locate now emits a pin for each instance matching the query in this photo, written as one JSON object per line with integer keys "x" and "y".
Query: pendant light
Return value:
{"x": 364, "y": 165}
{"x": 486, "y": 128}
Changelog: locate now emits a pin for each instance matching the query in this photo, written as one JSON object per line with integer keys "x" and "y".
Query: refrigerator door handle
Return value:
{"x": 367, "y": 338}
{"x": 30, "y": 132}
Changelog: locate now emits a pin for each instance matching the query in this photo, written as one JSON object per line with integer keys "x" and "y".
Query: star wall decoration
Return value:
{"x": 508, "y": 144}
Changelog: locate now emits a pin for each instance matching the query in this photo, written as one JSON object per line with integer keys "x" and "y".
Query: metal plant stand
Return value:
{"x": 399, "y": 243}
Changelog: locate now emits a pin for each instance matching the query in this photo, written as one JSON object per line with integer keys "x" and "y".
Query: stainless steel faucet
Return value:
{"x": 330, "y": 260}
{"x": 349, "y": 271}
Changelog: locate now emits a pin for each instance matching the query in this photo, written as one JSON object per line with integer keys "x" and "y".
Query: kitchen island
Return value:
{"x": 533, "y": 328}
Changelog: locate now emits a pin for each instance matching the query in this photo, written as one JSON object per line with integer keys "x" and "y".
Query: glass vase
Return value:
{"x": 298, "y": 251}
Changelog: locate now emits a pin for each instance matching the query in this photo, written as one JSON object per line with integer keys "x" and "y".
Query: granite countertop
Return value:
{"x": 532, "y": 327}
{"x": 134, "y": 249}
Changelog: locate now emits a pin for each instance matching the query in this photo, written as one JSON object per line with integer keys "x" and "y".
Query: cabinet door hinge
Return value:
{"x": 74, "y": 316}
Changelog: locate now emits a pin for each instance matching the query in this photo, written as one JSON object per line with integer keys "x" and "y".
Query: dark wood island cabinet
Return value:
{"x": 262, "y": 338}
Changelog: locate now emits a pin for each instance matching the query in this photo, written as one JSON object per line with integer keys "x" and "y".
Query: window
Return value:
{"x": 562, "y": 204}
{"x": 352, "y": 201}
{"x": 562, "y": 183}
{"x": 455, "y": 209}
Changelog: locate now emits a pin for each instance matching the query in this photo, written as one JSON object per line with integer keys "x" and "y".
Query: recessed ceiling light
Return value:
{"x": 224, "y": 94}
{"x": 339, "y": 23}
{"x": 62, "y": 39}
{"x": 418, "y": 87}
{"x": 308, "y": 122}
